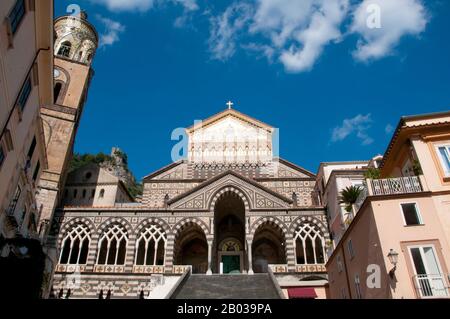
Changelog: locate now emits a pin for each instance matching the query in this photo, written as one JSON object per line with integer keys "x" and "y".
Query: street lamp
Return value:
{"x": 393, "y": 258}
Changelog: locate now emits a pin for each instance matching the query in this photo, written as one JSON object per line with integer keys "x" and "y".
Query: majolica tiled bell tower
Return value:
{"x": 75, "y": 46}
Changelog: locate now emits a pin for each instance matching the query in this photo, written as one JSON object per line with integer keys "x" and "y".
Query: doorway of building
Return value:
{"x": 231, "y": 264}
{"x": 229, "y": 229}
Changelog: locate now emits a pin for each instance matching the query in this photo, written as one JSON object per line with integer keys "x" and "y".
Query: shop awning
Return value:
{"x": 301, "y": 292}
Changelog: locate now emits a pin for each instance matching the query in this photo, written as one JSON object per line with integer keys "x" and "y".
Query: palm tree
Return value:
{"x": 349, "y": 195}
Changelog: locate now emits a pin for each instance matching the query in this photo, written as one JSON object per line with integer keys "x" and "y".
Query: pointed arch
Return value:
{"x": 112, "y": 245}
{"x": 309, "y": 244}
{"x": 229, "y": 189}
{"x": 179, "y": 226}
{"x": 151, "y": 245}
{"x": 75, "y": 245}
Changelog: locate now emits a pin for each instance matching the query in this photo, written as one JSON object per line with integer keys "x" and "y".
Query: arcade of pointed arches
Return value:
{"x": 229, "y": 247}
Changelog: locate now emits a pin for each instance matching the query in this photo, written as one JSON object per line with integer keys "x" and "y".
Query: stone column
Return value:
{"x": 249, "y": 254}
{"x": 169, "y": 258}
{"x": 210, "y": 244}
{"x": 290, "y": 253}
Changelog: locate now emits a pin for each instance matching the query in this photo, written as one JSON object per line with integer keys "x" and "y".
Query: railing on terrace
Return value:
{"x": 385, "y": 186}
{"x": 431, "y": 286}
{"x": 399, "y": 185}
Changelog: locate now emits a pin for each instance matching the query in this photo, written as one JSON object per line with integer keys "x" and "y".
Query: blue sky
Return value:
{"x": 334, "y": 87}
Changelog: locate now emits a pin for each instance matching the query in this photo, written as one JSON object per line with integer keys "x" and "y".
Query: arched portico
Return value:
{"x": 191, "y": 248}
{"x": 229, "y": 246}
{"x": 268, "y": 247}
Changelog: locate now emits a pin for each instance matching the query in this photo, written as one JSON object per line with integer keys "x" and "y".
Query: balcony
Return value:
{"x": 431, "y": 286}
{"x": 387, "y": 186}
{"x": 399, "y": 185}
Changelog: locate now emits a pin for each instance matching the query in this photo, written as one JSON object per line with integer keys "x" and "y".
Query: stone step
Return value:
{"x": 239, "y": 286}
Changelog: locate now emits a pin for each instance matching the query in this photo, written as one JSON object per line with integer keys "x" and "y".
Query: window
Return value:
{"x": 339, "y": 264}
{"x": 24, "y": 94}
{"x": 84, "y": 193}
{"x": 13, "y": 204}
{"x": 444, "y": 155}
{"x": 309, "y": 244}
{"x": 32, "y": 148}
{"x": 102, "y": 193}
{"x": 150, "y": 246}
{"x": 16, "y": 15}
{"x": 93, "y": 193}
{"x": 36, "y": 171}
{"x": 75, "y": 193}
{"x": 351, "y": 251}
{"x": 2, "y": 155}
{"x": 113, "y": 246}
{"x": 64, "y": 49}
{"x": 411, "y": 215}
{"x": 75, "y": 246}
{"x": 358, "y": 287}
{"x": 428, "y": 276}
{"x": 57, "y": 91}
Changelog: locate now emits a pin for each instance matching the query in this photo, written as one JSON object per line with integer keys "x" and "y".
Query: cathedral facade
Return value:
{"x": 230, "y": 206}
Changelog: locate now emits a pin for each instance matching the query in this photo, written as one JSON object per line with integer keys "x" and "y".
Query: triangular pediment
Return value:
{"x": 230, "y": 115}
{"x": 201, "y": 197}
{"x": 176, "y": 170}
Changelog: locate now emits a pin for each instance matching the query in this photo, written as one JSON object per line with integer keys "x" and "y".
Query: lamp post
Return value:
{"x": 393, "y": 258}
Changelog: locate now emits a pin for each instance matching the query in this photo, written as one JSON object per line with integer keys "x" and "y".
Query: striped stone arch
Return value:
{"x": 270, "y": 221}
{"x": 65, "y": 228}
{"x": 115, "y": 220}
{"x": 309, "y": 219}
{"x": 229, "y": 189}
{"x": 176, "y": 230}
{"x": 152, "y": 221}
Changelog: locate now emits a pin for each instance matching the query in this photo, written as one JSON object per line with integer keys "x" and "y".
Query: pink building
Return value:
{"x": 397, "y": 244}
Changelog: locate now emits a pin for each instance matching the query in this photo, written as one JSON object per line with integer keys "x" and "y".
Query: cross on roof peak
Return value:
{"x": 230, "y": 104}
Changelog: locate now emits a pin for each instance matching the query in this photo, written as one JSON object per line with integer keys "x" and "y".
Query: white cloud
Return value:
{"x": 398, "y": 18}
{"x": 295, "y": 33}
{"x": 358, "y": 124}
{"x": 224, "y": 30}
{"x": 262, "y": 49}
{"x": 143, "y": 5}
{"x": 388, "y": 129}
{"x": 323, "y": 28}
{"x": 126, "y": 5}
{"x": 112, "y": 31}
{"x": 278, "y": 19}
{"x": 189, "y": 5}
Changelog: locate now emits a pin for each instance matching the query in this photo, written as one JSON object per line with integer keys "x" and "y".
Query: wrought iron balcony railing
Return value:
{"x": 431, "y": 286}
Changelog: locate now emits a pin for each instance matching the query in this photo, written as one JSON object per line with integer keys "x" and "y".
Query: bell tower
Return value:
{"x": 75, "y": 45}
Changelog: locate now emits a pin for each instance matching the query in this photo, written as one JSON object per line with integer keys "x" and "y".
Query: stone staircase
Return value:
{"x": 239, "y": 286}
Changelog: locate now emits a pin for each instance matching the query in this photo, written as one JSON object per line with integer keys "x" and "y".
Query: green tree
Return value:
{"x": 372, "y": 173}
{"x": 349, "y": 195}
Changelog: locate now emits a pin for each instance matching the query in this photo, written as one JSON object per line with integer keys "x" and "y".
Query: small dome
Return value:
{"x": 76, "y": 38}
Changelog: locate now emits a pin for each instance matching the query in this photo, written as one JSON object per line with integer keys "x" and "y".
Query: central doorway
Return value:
{"x": 231, "y": 264}
{"x": 229, "y": 256}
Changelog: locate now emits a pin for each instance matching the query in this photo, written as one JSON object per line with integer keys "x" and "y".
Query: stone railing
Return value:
{"x": 310, "y": 268}
{"x": 142, "y": 269}
{"x": 109, "y": 268}
{"x": 70, "y": 268}
{"x": 278, "y": 268}
{"x": 399, "y": 185}
{"x": 386, "y": 186}
{"x": 181, "y": 269}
